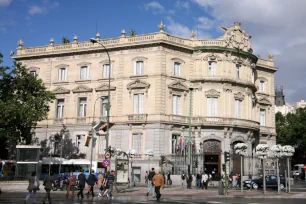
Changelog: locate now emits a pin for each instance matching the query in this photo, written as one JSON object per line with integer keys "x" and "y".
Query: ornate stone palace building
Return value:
{"x": 152, "y": 76}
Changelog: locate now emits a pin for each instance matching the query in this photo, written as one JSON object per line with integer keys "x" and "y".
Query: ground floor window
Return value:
{"x": 136, "y": 171}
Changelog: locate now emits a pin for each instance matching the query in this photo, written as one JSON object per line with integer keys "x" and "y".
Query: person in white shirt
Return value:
{"x": 204, "y": 180}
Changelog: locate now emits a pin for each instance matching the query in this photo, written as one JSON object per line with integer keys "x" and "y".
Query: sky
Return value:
{"x": 276, "y": 26}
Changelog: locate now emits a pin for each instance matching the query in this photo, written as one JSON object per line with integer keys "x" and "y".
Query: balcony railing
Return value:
{"x": 137, "y": 117}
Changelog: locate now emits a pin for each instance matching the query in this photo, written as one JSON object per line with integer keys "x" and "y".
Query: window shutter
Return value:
{"x": 141, "y": 103}
{"x": 136, "y": 104}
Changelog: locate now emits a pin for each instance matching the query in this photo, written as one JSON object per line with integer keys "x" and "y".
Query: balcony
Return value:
{"x": 215, "y": 121}
{"x": 267, "y": 130}
{"x": 138, "y": 117}
{"x": 58, "y": 121}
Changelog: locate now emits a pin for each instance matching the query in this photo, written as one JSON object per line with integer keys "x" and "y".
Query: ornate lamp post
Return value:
{"x": 277, "y": 153}
{"x": 240, "y": 148}
{"x": 288, "y": 152}
{"x": 149, "y": 153}
{"x": 131, "y": 154}
{"x": 262, "y": 152}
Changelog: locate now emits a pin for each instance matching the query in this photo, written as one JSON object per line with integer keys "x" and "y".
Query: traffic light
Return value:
{"x": 226, "y": 156}
{"x": 223, "y": 167}
{"x": 87, "y": 141}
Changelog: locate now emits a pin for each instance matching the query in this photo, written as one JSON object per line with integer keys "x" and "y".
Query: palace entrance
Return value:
{"x": 212, "y": 157}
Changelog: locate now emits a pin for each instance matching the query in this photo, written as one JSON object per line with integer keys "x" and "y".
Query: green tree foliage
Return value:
{"x": 24, "y": 101}
{"x": 291, "y": 130}
{"x": 62, "y": 145}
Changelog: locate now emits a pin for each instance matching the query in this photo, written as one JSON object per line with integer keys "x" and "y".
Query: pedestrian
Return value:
{"x": 150, "y": 183}
{"x": 71, "y": 185}
{"x": 213, "y": 173}
{"x": 32, "y": 187}
{"x": 105, "y": 184}
{"x": 48, "y": 182}
{"x": 199, "y": 180}
{"x": 169, "y": 181}
{"x": 183, "y": 178}
{"x": 110, "y": 181}
{"x": 189, "y": 180}
{"x": 92, "y": 180}
{"x": 158, "y": 181}
{"x": 100, "y": 182}
{"x": 238, "y": 180}
{"x": 204, "y": 180}
{"x": 82, "y": 180}
{"x": 146, "y": 177}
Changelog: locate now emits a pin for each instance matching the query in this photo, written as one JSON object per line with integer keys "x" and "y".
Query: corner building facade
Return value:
{"x": 152, "y": 77}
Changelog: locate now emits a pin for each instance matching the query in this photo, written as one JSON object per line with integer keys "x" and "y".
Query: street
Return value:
{"x": 59, "y": 198}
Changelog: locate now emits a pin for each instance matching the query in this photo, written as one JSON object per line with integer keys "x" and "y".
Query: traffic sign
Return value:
{"x": 106, "y": 163}
{"x": 107, "y": 155}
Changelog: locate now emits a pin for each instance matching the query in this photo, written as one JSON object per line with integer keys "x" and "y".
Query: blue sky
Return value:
{"x": 276, "y": 26}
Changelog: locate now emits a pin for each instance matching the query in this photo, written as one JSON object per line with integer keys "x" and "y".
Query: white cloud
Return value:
{"x": 205, "y": 23}
{"x": 182, "y": 5}
{"x": 178, "y": 29}
{"x": 276, "y": 27}
{"x": 43, "y": 8}
{"x": 155, "y": 7}
{"x": 5, "y": 3}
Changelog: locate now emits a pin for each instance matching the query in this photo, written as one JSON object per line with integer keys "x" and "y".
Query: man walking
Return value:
{"x": 183, "y": 178}
{"x": 150, "y": 183}
{"x": 48, "y": 182}
{"x": 92, "y": 180}
{"x": 82, "y": 180}
{"x": 169, "y": 182}
{"x": 158, "y": 181}
{"x": 110, "y": 181}
{"x": 204, "y": 180}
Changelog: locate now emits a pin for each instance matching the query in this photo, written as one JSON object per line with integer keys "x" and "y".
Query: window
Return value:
{"x": 104, "y": 102}
{"x": 238, "y": 106}
{"x": 262, "y": 86}
{"x": 82, "y": 107}
{"x": 175, "y": 143}
{"x": 212, "y": 68}
{"x": 62, "y": 74}
{"x": 79, "y": 143}
{"x": 138, "y": 103}
{"x": 237, "y": 71}
{"x": 137, "y": 142}
{"x": 139, "y": 68}
{"x": 262, "y": 117}
{"x": 177, "y": 69}
{"x": 84, "y": 72}
{"x": 33, "y": 73}
{"x": 212, "y": 107}
{"x": 107, "y": 70}
{"x": 176, "y": 105}
{"x": 60, "y": 108}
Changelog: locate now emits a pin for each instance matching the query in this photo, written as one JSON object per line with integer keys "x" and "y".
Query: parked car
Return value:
{"x": 271, "y": 182}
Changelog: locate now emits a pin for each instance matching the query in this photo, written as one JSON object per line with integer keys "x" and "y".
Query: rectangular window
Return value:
{"x": 262, "y": 117}
{"x": 212, "y": 68}
{"x": 177, "y": 69}
{"x": 139, "y": 69}
{"x": 237, "y": 71}
{"x": 82, "y": 107}
{"x": 212, "y": 107}
{"x": 176, "y": 104}
{"x": 175, "y": 143}
{"x": 238, "y": 107}
{"x": 262, "y": 86}
{"x": 107, "y": 70}
{"x": 84, "y": 72}
{"x": 62, "y": 74}
{"x": 60, "y": 108}
{"x": 137, "y": 143}
{"x": 138, "y": 103}
{"x": 33, "y": 73}
{"x": 104, "y": 102}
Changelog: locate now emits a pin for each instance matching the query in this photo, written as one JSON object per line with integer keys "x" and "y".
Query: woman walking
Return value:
{"x": 32, "y": 187}
{"x": 72, "y": 183}
{"x": 100, "y": 184}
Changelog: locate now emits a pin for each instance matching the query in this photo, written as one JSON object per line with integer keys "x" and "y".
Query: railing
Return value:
{"x": 137, "y": 117}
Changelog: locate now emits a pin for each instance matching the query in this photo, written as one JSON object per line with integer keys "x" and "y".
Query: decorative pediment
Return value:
{"x": 212, "y": 93}
{"x": 212, "y": 57}
{"x": 104, "y": 87}
{"x": 264, "y": 101}
{"x": 178, "y": 85}
{"x": 81, "y": 88}
{"x": 138, "y": 84}
{"x": 238, "y": 60}
{"x": 61, "y": 90}
{"x": 239, "y": 96}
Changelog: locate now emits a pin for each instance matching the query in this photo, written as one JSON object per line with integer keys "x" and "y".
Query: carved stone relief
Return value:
{"x": 239, "y": 96}
{"x": 61, "y": 90}
{"x": 212, "y": 93}
{"x": 138, "y": 84}
{"x": 81, "y": 89}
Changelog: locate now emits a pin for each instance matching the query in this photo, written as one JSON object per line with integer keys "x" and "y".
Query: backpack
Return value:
{"x": 183, "y": 177}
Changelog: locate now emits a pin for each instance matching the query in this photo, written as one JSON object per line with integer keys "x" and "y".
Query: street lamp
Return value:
{"x": 288, "y": 152}
{"x": 240, "y": 148}
{"x": 149, "y": 153}
{"x": 277, "y": 152}
{"x": 93, "y": 40}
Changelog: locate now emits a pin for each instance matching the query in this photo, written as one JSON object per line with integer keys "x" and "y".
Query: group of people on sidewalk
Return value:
{"x": 155, "y": 182}
{"x": 104, "y": 184}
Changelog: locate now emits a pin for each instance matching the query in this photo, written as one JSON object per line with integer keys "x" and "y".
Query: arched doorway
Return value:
{"x": 236, "y": 168}
{"x": 212, "y": 158}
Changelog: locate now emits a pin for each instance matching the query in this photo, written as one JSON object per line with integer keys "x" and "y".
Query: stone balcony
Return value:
{"x": 138, "y": 117}
{"x": 216, "y": 121}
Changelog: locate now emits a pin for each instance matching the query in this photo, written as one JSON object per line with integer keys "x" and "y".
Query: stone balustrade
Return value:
{"x": 137, "y": 117}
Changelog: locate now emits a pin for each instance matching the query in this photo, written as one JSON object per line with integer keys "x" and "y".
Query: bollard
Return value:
{"x": 221, "y": 190}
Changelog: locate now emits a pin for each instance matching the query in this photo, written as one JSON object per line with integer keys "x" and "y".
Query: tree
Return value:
{"x": 24, "y": 101}
{"x": 291, "y": 130}
{"x": 62, "y": 146}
